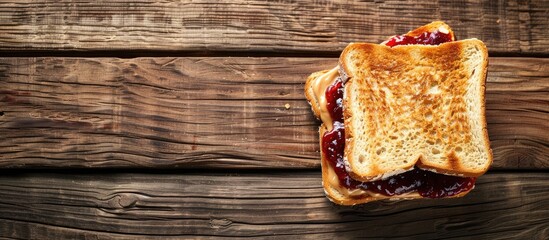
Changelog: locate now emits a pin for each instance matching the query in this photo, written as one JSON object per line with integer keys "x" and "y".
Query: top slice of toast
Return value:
{"x": 415, "y": 105}
{"x": 314, "y": 77}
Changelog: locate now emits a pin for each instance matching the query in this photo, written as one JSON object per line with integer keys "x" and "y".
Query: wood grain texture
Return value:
{"x": 514, "y": 26}
{"x": 215, "y": 112}
{"x": 130, "y": 206}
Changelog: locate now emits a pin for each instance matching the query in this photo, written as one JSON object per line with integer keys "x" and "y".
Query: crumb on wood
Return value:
{"x": 287, "y": 106}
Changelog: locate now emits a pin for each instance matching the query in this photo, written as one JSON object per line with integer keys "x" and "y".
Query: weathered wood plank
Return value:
{"x": 130, "y": 206}
{"x": 281, "y": 26}
{"x": 215, "y": 112}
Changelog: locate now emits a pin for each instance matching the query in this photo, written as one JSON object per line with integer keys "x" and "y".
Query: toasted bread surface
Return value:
{"x": 415, "y": 105}
{"x": 313, "y": 78}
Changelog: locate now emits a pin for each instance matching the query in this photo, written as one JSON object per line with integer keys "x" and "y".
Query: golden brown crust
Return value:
{"x": 484, "y": 51}
{"x": 380, "y": 81}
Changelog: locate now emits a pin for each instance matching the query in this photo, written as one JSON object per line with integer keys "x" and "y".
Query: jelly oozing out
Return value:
{"x": 426, "y": 38}
{"x": 333, "y": 142}
{"x": 426, "y": 183}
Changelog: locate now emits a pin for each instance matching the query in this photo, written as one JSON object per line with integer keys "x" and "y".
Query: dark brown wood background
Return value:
{"x": 187, "y": 119}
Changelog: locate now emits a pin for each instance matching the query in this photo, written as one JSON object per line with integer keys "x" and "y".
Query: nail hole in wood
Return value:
{"x": 1, "y": 113}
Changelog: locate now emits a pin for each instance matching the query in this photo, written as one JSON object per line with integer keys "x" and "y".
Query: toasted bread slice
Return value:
{"x": 314, "y": 99}
{"x": 415, "y": 105}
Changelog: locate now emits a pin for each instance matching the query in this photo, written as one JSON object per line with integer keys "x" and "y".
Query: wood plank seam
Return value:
{"x": 166, "y": 112}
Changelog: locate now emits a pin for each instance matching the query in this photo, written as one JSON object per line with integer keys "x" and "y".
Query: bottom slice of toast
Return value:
{"x": 344, "y": 196}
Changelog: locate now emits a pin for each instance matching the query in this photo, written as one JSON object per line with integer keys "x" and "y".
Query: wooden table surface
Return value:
{"x": 187, "y": 119}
